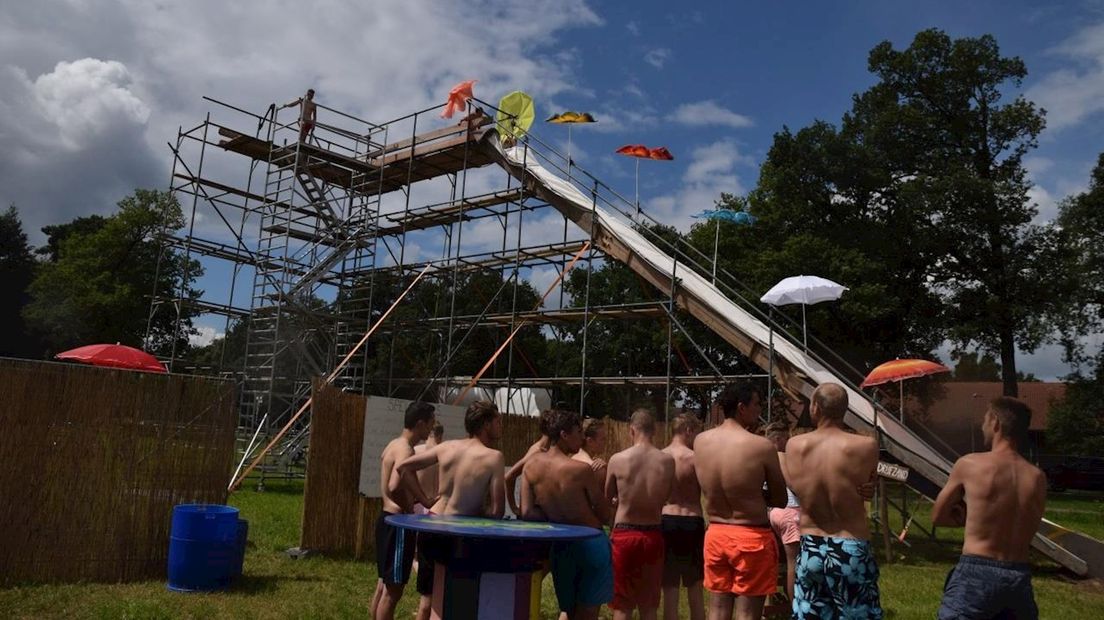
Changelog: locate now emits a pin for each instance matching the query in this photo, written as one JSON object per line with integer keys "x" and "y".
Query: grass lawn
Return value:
{"x": 277, "y": 587}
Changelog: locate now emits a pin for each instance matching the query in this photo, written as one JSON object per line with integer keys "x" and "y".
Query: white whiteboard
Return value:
{"x": 383, "y": 421}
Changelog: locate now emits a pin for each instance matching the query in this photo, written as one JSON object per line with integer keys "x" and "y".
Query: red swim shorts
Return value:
{"x": 637, "y": 567}
{"x": 740, "y": 559}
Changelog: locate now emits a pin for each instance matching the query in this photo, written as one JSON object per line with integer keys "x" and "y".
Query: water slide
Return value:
{"x": 796, "y": 370}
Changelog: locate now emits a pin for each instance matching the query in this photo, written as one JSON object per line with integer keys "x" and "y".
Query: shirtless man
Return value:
{"x": 1000, "y": 498}
{"x": 786, "y": 522}
{"x": 394, "y": 546}
{"x": 741, "y": 559}
{"x": 470, "y": 471}
{"x": 556, "y": 488}
{"x": 594, "y": 442}
{"x": 427, "y": 478}
{"x": 683, "y": 525}
{"x": 308, "y": 113}
{"x": 512, "y": 474}
{"x": 640, "y": 482}
{"x": 826, "y": 469}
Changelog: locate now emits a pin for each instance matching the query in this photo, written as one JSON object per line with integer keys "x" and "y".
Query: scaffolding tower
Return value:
{"x": 321, "y": 222}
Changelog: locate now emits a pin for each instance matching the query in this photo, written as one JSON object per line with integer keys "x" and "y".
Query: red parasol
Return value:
{"x": 899, "y": 370}
{"x": 639, "y": 151}
{"x": 113, "y": 356}
{"x": 635, "y": 150}
{"x": 458, "y": 98}
{"x": 661, "y": 153}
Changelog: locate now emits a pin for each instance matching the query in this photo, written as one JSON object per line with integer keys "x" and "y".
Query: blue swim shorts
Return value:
{"x": 979, "y": 587}
{"x": 582, "y": 571}
{"x": 836, "y": 578}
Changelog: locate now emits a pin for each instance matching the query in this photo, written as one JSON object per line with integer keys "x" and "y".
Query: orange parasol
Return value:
{"x": 899, "y": 370}
{"x": 639, "y": 151}
{"x": 458, "y": 98}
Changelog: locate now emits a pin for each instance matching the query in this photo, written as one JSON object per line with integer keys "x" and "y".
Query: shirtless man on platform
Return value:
{"x": 1000, "y": 498}
{"x": 741, "y": 559}
{"x": 471, "y": 471}
{"x": 826, "y": 469}
{"x": 561, "y": 490}
{"x": 683, "y": 525}
{"x": 640, "y": 479}
{"x": 308, "y": 113}
{"x": 395, "y": 546}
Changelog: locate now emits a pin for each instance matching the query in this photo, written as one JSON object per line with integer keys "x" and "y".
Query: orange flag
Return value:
{"x": 458, "y": 98}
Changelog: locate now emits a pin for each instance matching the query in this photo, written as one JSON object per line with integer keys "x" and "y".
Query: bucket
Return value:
{"x": 204, "y": 547}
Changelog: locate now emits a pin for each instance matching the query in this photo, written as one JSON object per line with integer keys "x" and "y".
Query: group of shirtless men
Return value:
{"x": 660, "y": 538}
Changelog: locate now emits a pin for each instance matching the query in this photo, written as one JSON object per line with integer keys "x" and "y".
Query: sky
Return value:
{"x": 92, "y": 91}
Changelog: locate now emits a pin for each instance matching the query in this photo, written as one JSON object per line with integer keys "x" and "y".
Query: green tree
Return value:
{"x": 918, "y": 202}
{"x": 975, "y": 367}
{"x": 1081, "y": 222}
{"x": 17, "y": 267}
{"x": 97, "y": 287}
{"x": 1075, "y": 424}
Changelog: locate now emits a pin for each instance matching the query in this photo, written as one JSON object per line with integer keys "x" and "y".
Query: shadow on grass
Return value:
{"x": 250, "y": 585}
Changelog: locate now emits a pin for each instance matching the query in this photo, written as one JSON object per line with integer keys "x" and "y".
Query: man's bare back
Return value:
{"x": 825, "y": 469}
{"x": 995, "y": 486}
{"x": 685, "y": 500}
{"x": 641, "y": 479}
{"x": 731, "y": 466}
{"x": 562, "y": 490}
{"x": 469, "y": 470}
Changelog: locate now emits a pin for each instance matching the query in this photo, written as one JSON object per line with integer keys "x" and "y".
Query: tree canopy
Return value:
{"x": 918, "y": 202}
{"x": 96, "y": 283}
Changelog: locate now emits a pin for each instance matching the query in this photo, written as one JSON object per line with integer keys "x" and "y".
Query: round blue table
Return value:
{"x": 489, "y": 568}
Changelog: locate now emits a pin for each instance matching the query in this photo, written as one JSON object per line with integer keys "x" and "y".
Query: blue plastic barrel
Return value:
{"x": 203, "y": 547}
{"x": 243, "y": 538}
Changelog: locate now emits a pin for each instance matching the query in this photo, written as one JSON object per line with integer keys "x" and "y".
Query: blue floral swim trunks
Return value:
{"x": 836, "y": 578}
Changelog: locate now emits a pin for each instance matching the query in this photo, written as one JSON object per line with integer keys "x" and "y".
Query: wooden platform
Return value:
{"x": 436, "y": 153}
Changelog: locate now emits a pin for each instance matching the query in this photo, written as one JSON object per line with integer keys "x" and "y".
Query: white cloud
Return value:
{"x": 633, "y": 27}
{"x": 709, "y": 112}
{"x": 713, "y": 170}
{"x": 88, "y": 99}
{"x": 90, "y": 92}
{"x": 1071, "y": 95}
{"x": 205, "y": 335}
{"x": 657, "y": 57}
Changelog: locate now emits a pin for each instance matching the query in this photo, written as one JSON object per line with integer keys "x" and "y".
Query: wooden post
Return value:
{"x": 883, "y": 516}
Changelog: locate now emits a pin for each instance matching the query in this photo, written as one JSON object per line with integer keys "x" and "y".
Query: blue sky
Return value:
{"x": 91, "y": 90}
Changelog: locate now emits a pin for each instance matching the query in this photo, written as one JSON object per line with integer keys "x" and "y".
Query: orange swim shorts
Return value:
{"x": 740, "y": 559}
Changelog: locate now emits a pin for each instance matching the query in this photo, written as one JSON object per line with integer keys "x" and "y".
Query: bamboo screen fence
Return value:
{"x": 93, "y": 460}
{"x": 338, "y": 520}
